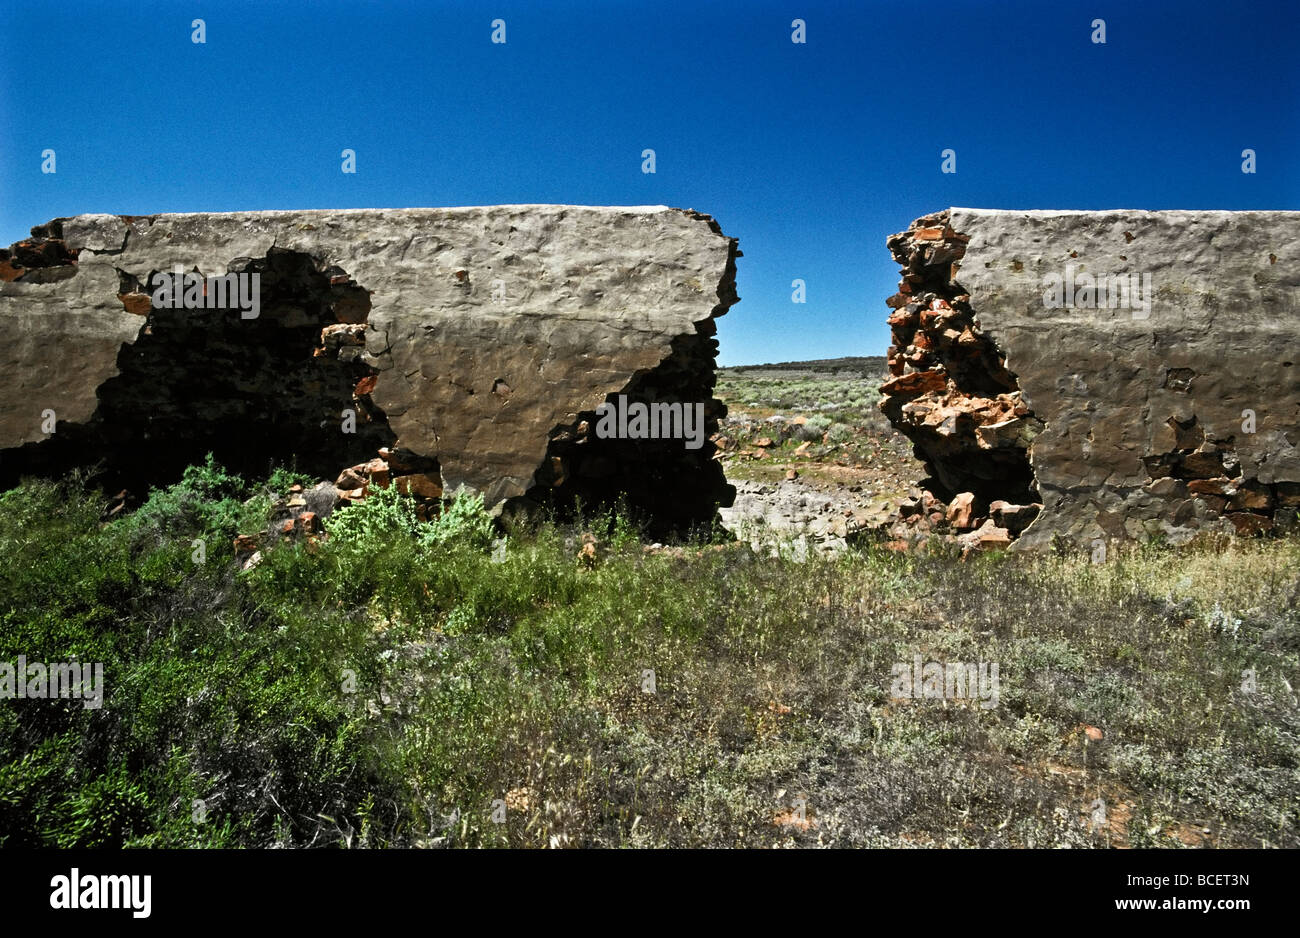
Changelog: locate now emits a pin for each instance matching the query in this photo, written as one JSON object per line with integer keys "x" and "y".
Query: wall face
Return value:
{"x": 1164, "y": 410}
{"x": 465, "y": 336}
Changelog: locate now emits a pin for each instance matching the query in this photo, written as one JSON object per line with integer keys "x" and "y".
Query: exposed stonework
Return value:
{"x": 1132, "y": 372}
{"x": 471, "y": 342}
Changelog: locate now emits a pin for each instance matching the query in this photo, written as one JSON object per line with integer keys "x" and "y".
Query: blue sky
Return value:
{"x": 811, "y": 154}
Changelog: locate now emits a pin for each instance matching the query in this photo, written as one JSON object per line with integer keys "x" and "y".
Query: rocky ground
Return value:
{"x": 809, "y": 452}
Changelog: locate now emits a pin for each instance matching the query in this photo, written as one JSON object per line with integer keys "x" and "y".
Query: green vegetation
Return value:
{"x": 399, "y": 684}
{"x": 850, "y": 401}
{"x": 834, "y": 411}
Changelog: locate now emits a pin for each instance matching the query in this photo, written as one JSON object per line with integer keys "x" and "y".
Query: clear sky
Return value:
{"x": 810, "y": 153}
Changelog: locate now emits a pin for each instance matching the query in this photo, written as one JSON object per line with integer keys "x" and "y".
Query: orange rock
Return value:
{"x": 991, "y": 537}
{"x": 793, "y": 819}
{"x": 1248, "y": 524}
{"x": 1250, "y": 497}
{"x": 901, "y": 317}
{"x": 138, "y": 304}
{"x": 419, "y": 485}
{"x": 351, "y": 478}
{"x": 377, "y": 472}
{"x": 1211, "y": 487}
{"x": 340, "y": 334}
{"x": 918, "y": 382}
{"x": 961, "y": 511}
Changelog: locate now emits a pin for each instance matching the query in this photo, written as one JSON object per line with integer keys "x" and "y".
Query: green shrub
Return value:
{"x": 283, "y": 478}
{"x": 385, "y": 513}
{"x": 207, "y": 501}
{"x": 465, "y": 521}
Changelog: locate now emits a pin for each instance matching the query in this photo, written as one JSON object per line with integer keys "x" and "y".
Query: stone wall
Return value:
{"x": 470, "y": 343}
{"x": 1102, "y": 375}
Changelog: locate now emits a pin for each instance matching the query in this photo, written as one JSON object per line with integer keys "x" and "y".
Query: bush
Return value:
{"x": 207, "y": 501}
{"x": 385, "y": 513}
{"x": 464, "y": 522}
{"x": 812, "y": 429}
{"x": 282, "y": 479}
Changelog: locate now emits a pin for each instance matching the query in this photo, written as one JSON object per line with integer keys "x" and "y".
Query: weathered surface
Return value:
{"x": 1122, "y": 419}
{"x": 465, "y": 336}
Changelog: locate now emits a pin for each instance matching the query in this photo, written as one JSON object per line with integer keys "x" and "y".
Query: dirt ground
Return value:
{"x": 809, "y": 452}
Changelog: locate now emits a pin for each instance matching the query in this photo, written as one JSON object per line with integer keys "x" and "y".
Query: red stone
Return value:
{"x": 1251, "y": 497}
{"x": 1211, "y": 487}
{"x": 421, "y": 486}
{"x": 1249, "y": 524}
{"x": 918, "y": 382}
{"x": 991, "y": 537}
{"x": 961, "y": 511}
{"x": 138, "y": 304}
{"x": 351, "y": 478}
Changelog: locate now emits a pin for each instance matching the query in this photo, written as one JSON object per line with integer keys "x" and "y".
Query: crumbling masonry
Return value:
{"x": 1049, "y": 405}
{"x": 425, "y": 348}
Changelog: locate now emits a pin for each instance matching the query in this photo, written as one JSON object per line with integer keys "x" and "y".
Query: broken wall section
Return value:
{"x": 674, "y": 489}
{"x": 485, "y": 328}
{"x": 951, "y": 394}
{"x": 1154, "y": 351}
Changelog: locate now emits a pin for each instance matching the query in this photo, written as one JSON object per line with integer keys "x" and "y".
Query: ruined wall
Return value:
{"x": 467, "y": 340}
{"x": 1132, "y": 373}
